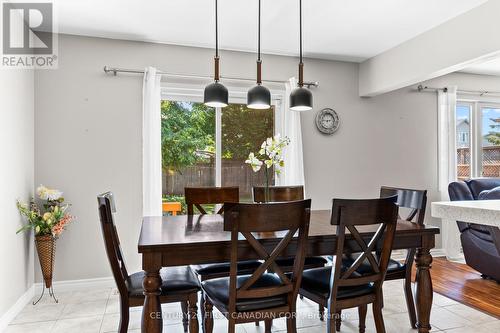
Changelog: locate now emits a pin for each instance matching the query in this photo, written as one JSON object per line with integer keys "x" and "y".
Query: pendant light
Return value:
{"x": 301, "y": 98}
{"x": 215, "y": 94}
{"x": 259, "y": 97}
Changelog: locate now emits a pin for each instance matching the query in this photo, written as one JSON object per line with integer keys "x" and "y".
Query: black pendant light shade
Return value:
{"x": 259, "y": 97}
{"x": 215, "y": 94}
{"x": 301, "y": 98}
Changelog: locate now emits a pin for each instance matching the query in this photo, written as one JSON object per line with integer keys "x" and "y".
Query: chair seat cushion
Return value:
{"x": 175, "y": 280}
{"x": 317, "y": 281}
{"x": 244, "y": 267}
{"x": 218, "y": 292}
{"x": 309, "y": 261}
{"x": 493, "y": 194}
{"x": 366, "y": 268}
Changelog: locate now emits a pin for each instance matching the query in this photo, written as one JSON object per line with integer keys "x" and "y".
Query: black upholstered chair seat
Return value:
{"x": 244, "y": 267}
{"x": 364, "y": 268}
{"x": 218, "y": 292}
{"x": 309, "y": 261}
{"x": 175, "y": 280}
{"x": 317, "y": 281}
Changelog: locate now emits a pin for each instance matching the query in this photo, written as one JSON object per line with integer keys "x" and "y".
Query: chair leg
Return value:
{"x": 193, "y": 313}
{"x": 321, "y": 312}
{"x": 202, "y": 310}
{"x": 291, "y": 324}
{"x": 231, "y": 326}
{"x": 185, "y": 320}
{"x": 124, "y": 315}
{"x": 338, "y": 320}
{"x": 362, "y": 318}
{"x": 257, "y": 323}
{"x": 268, "y": 323}
{"x": 208, "y": 319}
{"x": 377, "y": 315}
{"x": 410, "y": 303}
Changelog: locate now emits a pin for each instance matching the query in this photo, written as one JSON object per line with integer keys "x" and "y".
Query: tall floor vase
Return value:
{"x": 46, "y": 249}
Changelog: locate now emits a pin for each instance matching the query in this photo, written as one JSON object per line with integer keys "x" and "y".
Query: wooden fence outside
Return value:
{"x": 234, "y": 173}
{"x": 491, "y": 162}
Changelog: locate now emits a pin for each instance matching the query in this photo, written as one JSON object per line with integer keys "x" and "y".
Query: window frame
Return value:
{"x": 191, "y": 92}
{"x": 475, "y": 133}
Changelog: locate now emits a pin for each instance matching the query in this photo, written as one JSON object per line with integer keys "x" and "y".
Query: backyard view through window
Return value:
{"x": 191, "y": 133}
{"x": 478, "y": 155}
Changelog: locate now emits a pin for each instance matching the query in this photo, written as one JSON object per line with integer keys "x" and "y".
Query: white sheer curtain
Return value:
{"x": 151, "y": 143}
{"x": 447, "y": 102}
{"x": 289, "y": 125}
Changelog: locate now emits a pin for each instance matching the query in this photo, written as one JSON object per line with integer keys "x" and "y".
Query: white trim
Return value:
{"x": 84, "y": 284}
{"x": 435, "y": 253}
{"x": 15, "y": 309}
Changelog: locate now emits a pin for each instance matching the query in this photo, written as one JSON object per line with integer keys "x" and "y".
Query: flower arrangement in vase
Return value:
{"x": 48, "y": 220}
{"x": 271, "y": 156}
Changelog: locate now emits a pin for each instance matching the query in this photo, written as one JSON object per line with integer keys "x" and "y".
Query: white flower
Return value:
{"x": 45, "y": 193}
{"x": 254, "y": 162}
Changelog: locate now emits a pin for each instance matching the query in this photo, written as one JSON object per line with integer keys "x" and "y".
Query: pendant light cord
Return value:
{"x": 301, "y": 64}
{"x": 216, "y": 58}
{"x": 259, "y": 61}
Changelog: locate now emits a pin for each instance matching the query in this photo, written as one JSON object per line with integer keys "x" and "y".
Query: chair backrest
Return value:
{"x": 107, "y": 207}
{"x": 347, "y": 215}
{"x": 197, "y": 196}
{"x": 416, "y": 200}
{"x": 284, "y": 218}
{"x": 278, "y": 193}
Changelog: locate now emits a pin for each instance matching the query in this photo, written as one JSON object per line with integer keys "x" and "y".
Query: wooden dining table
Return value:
{"x": 200, "y": 239}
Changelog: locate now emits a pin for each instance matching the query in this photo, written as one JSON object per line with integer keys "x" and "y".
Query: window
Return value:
{"x": 478, "y": 139}
{"x": 203, "y": 146}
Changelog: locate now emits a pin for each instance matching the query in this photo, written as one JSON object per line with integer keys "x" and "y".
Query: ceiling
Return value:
{"x": 490, "y": 67}
{"x": 352, "y": 30}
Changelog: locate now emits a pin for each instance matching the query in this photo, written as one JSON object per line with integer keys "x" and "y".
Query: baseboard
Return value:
{"x": 15, "y": 309}
{"x": 84, "y": 284}
{"x": 438, "y": 253}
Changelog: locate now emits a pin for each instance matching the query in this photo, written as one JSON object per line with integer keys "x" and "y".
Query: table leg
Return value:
{"x": 152, "y": 321}
{"x": 424, "y": 290}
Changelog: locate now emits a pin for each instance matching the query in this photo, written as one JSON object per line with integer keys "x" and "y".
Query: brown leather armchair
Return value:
{"x": 480, "y": 243}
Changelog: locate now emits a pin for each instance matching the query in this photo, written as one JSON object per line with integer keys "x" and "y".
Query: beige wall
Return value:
{"x": 94, "y": 121}
{"x": 16, "y": 179}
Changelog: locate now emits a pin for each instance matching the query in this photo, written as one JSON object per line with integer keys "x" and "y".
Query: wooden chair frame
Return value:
{"x": 197, "y": 196}
{"x": 188, "y": 301}
{"x": 278, "y": 193}
{"x": 416, "y": 200}
{"x": 347, "y": 215}
{"x": 246, "y": 219}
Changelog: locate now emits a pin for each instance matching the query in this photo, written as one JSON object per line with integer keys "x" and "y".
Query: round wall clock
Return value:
{"x": 327, "y": 121}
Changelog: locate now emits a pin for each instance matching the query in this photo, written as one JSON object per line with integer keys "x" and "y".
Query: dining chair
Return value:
{"x": 261, "y": 295}
{"x": 284, "y": 194}
{"x": 340, "y": 287}
{"x": 198, "y": 196}
{"x": 179, "y": 284}
{"x": 415, "y": 201}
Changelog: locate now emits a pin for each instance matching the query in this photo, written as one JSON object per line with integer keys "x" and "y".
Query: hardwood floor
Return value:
{"x": 465, "y": 285}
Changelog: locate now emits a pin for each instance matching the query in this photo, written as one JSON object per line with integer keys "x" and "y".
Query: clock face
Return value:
{"x": 327, "y": 121}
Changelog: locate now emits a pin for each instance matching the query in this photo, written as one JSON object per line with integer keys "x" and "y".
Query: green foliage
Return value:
{"x": 188, "y": 134}
{"x": 493, "y": 137}
{"x": 244, "y": 129}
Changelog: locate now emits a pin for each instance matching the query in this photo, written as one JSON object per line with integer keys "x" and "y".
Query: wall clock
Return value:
{"x": 327, "y": 121}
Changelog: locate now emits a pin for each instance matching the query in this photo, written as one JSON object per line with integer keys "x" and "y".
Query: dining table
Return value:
{"x": 200, "y": 239}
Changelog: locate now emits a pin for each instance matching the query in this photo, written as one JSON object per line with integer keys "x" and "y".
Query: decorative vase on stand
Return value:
{"x": 46, "y": 249}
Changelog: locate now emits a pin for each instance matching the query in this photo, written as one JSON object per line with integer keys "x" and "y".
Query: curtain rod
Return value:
{"x": 421, "y": 88}
{"x": 116, "y": 70}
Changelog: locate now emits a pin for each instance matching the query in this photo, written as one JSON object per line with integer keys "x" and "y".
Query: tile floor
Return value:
{"x": 98, "y": 311}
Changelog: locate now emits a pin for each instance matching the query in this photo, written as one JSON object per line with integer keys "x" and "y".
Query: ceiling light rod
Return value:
{"x": 259, "y": 60}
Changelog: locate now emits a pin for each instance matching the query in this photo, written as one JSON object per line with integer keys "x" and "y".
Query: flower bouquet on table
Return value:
{"x": 48, "y": 218}
{"x": 271, "y": 156}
